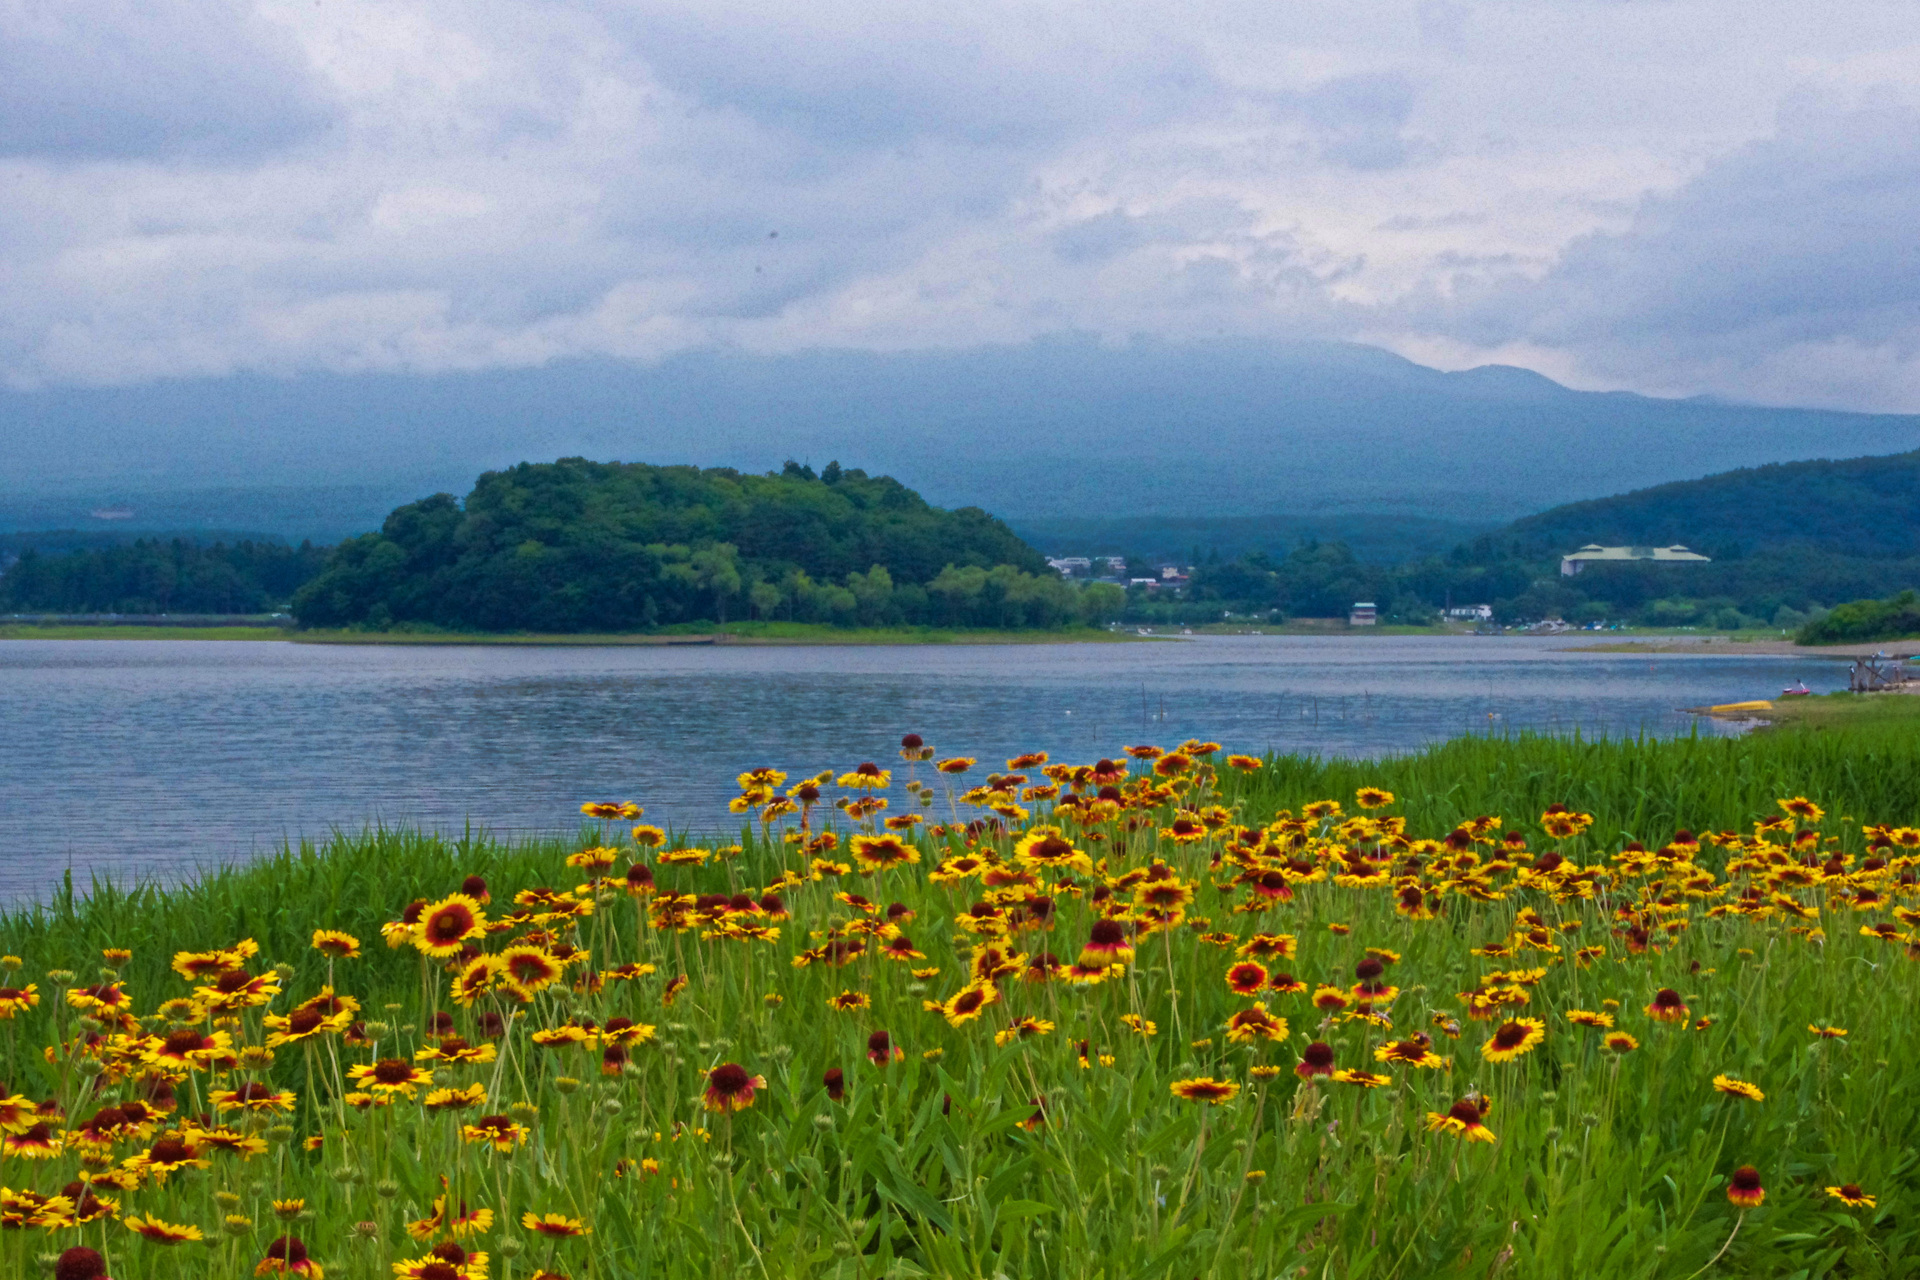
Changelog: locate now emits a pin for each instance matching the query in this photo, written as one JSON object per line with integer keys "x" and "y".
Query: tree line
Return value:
{"x": 160, "y": 575}
{"x": 1779, "y": 586}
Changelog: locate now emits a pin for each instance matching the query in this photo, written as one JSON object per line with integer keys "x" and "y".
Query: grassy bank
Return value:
{"x": 739, "y": 633}
{"x": 1046, "y": 1136}
{"x": 36, "y": 632}
{"x": 744, "y": 633}
{"x": 1831, "y": 713}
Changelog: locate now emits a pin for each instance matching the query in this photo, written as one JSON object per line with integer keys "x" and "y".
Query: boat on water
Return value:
{"x": 1798, "y": 689}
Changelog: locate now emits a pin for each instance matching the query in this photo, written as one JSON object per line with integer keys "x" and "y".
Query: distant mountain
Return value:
{"x": 1857, "y": 507}
{"x": 1065, "y": 427}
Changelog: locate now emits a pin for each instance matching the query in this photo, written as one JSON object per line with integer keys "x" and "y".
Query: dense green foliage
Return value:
{"x": 1144, "y": 539}
{"x": 1856, "y": 506}
{"x": 156, "y": 576}
{"x": 576, "y": 546}
{"x": 1862, "y": 621}
{"x": 1779, "y": 587}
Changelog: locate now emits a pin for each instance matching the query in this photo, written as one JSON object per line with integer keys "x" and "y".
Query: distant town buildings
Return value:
{"x": 1363, "y": 615}
{"x": 1594, "y": 553}
{"x": 1109, "y": 567}
{"x": 1148, "y": 577}
{"x": 1471, "y": 612}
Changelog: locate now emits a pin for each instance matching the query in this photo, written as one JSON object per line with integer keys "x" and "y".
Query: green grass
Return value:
{"x": 32, "y": 632}
{"x": 1845, "y": 712}
{"x": 1604, "y": 1167}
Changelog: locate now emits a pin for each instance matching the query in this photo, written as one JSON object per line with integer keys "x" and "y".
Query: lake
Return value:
{"x": 153, "y": 757}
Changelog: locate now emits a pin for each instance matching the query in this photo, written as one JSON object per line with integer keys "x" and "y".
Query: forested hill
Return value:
{"x": 1857, "y": 506}
{"x": 574, "y": 546}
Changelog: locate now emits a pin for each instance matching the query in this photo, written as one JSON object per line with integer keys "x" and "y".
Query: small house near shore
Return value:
{"x": 1363, "y": 615}
{"x": 1594, "y": 553}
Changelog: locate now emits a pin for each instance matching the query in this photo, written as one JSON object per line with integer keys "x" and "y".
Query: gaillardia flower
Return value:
{"x": 1464, "y": 1119}
{"x": 1667, "y": 1006}
{"x": 1738, "y": 1088}
{"x": 1205, "y": 1089}
{"x": 730, "y": 1088}
{"x": 1513, "y": 1038}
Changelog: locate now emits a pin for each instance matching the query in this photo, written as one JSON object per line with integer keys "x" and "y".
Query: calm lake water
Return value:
{"x": 151, "y": 758}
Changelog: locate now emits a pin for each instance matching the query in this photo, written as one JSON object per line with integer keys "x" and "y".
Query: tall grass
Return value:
{"x": 1605, "y": 1165}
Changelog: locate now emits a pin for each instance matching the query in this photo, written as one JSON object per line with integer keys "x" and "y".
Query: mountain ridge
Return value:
{"x": 1066, "y": 427}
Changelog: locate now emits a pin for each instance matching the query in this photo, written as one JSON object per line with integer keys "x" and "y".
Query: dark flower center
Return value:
{"x": 728, "y": 1078}
{"x": 183, "y": 1042}
{"x": 165, "y": 1151}
{"x": 80, "y": 1264}
{"x": 288, "y": 1249}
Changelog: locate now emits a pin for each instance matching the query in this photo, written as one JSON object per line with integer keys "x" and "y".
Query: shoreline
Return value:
{"x": 1735, "y": 647}
{"x": 1829, "y": 711}
{"x": 800, "y": 635}
{"x": 761, "y": 635}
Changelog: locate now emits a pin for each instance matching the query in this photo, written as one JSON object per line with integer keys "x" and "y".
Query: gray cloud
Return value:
{"x": 865, "y": 76}
{"x": 1628, "y": 195}
{"x": 124, "y": 79}
{"x": 1360, "y": 120}
{"x": 1802, "y": 242}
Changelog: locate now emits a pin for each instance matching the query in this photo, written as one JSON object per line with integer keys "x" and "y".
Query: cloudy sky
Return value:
{"x": 1670, "y": 196}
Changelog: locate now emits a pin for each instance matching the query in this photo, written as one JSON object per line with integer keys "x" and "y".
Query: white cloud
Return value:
{"x": 1657, "y": 196}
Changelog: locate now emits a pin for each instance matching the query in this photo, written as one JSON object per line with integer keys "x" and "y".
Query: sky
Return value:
{"x": 1676, "y": 197}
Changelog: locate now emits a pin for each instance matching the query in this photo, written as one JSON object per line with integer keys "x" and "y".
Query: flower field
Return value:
{"x": 1533, "y": 1008}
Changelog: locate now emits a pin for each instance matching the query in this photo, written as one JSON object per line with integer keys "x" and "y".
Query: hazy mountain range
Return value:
{"x": 1056, "y": 430}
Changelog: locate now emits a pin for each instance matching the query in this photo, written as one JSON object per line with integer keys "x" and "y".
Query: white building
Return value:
{"x": 1067, "y": 566}
{"x": 1594, "y": 553}
{"x": 1472, "y": 612}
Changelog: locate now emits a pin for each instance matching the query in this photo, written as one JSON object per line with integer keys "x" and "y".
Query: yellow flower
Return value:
{"x": 1512, "y": 1038}
{"x": 556, "y": 1226}
{"x": 1205, "y": 1089}
{"x": 335, "y": 945}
